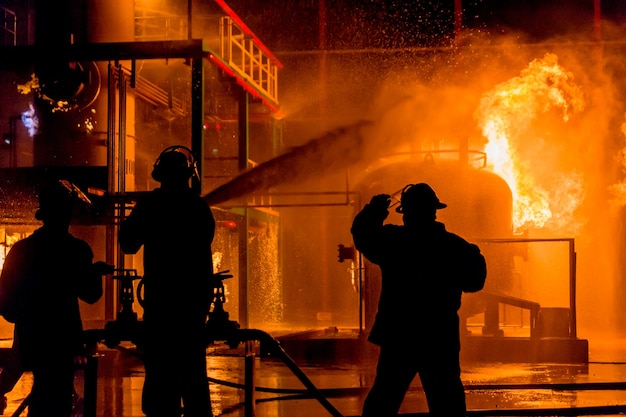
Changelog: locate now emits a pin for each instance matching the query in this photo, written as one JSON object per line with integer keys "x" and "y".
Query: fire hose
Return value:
{"x": 218, "y": 328}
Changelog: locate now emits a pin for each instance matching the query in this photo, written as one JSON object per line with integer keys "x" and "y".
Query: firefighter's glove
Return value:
{"x": 379, "y": 205}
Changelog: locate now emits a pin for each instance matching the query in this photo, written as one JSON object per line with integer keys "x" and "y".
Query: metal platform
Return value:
{"x": 492, "y": 388}
{"x": 349, "y": 345}
{"x": 525, "y": 349}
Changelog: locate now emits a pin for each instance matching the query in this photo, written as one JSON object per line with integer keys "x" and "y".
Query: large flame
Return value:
{"x": 506, "y": 116}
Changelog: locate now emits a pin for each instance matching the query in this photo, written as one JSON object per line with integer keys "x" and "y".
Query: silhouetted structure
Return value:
{"x": 47, "y": 273}
{"x": 176, "y": 228}
{"x": 425, "y": 269}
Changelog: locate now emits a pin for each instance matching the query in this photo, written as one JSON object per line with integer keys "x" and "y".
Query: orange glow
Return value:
{"x": 33, "y": 86}
{"x": 229, "y": 224}
{"x": 6, "y": 241}
{"x": 506, "y": 117}
{"x": 618, "y": 191}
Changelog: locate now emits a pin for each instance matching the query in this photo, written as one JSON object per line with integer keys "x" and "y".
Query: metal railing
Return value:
{"x": 247, "y": 58}
{"x": 153, "y": 25}
{"x": 9, "y": 27}
{"x": 571, "y": 262}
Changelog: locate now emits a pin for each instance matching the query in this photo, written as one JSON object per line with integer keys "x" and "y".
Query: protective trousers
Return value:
{"x": 440, "y": 374}
{"x": 176, "y": 375}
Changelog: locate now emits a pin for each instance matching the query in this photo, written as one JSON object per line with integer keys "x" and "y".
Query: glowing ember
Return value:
{"x": 506, "y": 116}
{"x": 33, "y": 86}
{"x": 29, "y": 86}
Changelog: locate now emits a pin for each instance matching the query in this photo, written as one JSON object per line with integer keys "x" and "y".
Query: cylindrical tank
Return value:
{"x": 480, "y": 206}
{"x": 480, "y": 203}
{"x": 72, "y": 116}
{"x": 71, "y": 104}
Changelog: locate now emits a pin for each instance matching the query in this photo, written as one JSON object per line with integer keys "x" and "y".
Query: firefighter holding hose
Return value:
{"x": 425, "y": 269}
{"x": 44, "y": 276}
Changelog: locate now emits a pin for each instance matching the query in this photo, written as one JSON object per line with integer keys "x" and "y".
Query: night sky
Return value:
{"x": 295, "y": 25}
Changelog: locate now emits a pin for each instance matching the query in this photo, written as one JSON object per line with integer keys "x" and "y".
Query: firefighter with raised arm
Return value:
{"x": 425, "y": 269}
{"x": 175, "y": 227}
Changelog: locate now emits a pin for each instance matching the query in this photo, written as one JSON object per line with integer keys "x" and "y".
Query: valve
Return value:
{"x": 346, "y": 252}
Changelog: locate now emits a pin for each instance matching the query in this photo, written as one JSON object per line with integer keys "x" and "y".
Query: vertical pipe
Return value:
{"x": 597, "y": 20}
{"x": 119, "y": 161}
{"x": 121, "y": 148}
{"x": 324, "y": 223}
{"x": 197, "y": 117}
{"x": 597, "y": 34}
{"x": 572, "y": 289}
{"x": 322, "y": 22}
{"x": 458, "y": 17}
{"x": 111, "y": 238}
{"x": 243, "y": 231}
{"x": 458, "y": 31}
{"x": 250, "y": 383}
{"x": 323, "y": 64}
{"x": 189, "y": 16}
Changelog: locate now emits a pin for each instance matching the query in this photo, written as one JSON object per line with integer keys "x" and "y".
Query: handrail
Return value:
{"x": 492, "y": 313}
{"x": 231, "y": 333}
{"x": 572, "y": 270}
{"x": 11, "y": 29}
{"x": 245, "y": 57}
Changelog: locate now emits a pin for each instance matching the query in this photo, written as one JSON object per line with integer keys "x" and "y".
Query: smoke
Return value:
{"x": 398, "y": 117}
{"x": 566, "y": 132}
{"x": 558, "y": 122}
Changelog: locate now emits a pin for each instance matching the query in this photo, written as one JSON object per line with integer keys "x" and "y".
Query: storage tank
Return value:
{"x": 480, "y": 207}
{"x": 70, "y": 98}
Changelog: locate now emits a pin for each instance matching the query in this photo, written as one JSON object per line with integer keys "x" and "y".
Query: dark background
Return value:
{"x": 295, "y": 25}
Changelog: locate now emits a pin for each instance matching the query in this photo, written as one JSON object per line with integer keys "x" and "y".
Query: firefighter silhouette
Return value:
{"x": 175, "y": 227}
{"x": 44, "y": 276}
{"x": 425, "y": 269}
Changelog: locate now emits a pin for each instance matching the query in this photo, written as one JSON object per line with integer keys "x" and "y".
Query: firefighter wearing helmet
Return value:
{"x": 425, "y": 269}
{"x": 175, "y": 227}
{"x": 44, "y": 277}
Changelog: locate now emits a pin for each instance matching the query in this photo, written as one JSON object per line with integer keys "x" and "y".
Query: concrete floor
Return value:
{"x": 493, "y": 388}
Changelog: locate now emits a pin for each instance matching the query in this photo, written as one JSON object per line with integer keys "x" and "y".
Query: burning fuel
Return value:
{"x": 506, "y": 116}
{"x": 514, "y": 118}
{"x": 548, "y": 122}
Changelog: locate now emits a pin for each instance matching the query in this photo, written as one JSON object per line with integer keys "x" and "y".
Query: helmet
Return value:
{"x": 175, "y": 162}
{"x": 59, "y": 198}
{"x": 419, "y": 196}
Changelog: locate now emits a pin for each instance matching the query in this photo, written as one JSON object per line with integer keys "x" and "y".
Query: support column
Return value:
{"x": 197, "y": 117}
{"x": 243, "y": 231}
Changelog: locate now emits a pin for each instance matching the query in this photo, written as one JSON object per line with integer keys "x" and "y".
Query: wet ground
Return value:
{"x": 493, "y": 388}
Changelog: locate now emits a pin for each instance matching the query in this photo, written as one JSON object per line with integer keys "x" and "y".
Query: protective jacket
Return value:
{"x": 176, "y": 229}
{"x": 425, "y": 269}
{"x": 43, "y": 278}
